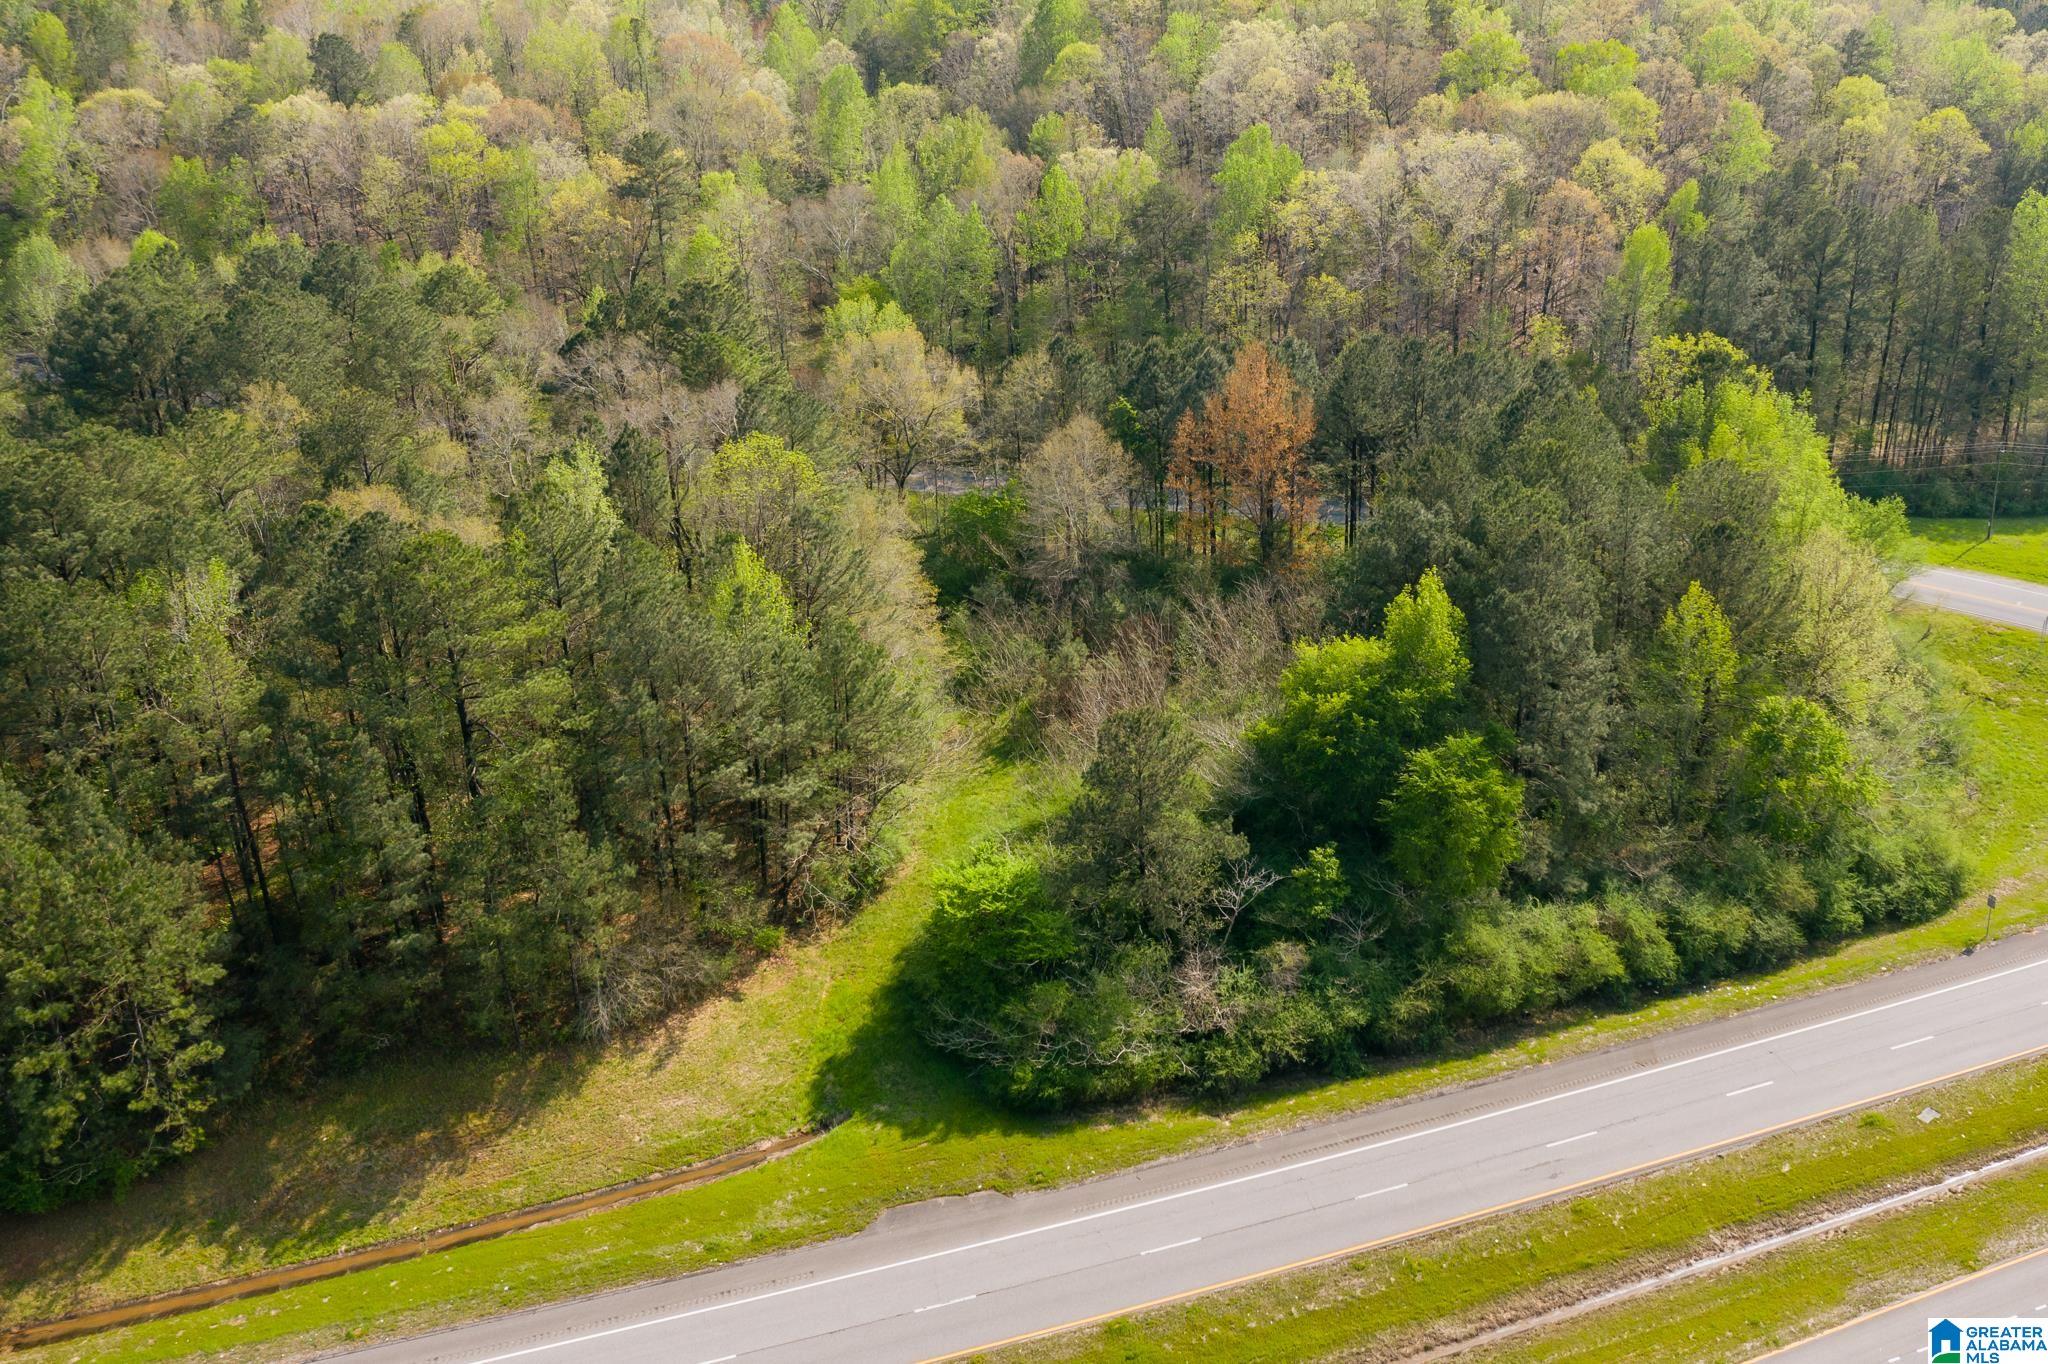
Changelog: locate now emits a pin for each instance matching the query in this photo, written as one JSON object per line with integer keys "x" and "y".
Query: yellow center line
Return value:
{"x": 1921, "y": 1296}
{"x": 1380, "y": 1242}
{"x": 1938, "y": 590}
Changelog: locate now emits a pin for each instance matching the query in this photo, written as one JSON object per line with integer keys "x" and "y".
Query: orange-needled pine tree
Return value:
{"x": 1244, "y": 451}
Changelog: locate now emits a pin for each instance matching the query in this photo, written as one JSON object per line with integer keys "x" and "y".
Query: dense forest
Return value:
{"x": 1575, "y": 715}
{"x": 499, "y": 498}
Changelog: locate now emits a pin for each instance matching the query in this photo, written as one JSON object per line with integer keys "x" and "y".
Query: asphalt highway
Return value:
{"x": 1897, "y": 1334}
{"x": 953, "y": 1276}
{"x": 2008, "y": 601}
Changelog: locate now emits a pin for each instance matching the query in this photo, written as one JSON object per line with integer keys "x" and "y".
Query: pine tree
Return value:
{"x": 107, "y": 964}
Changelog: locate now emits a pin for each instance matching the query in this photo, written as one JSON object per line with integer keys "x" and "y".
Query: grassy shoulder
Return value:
{"x": 1996, "y": 682}
{"x": 1391, "y": 1303}
{"x": 2018, "y": 550}
{"x": 816, "y": 1035}
{"x": 1789, "y": 1295}
{"x": 414, "y": 1146}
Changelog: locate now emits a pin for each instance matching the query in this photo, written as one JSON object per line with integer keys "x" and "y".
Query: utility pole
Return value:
{"x": 1997, "y": 471}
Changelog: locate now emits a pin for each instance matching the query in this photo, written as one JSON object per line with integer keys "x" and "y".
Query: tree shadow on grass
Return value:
{"x": 886, "y": 1073}
{"x": 284, "y": 1179}
{"x": 350, "y": 1162}
{"x": 888, "y": 1077}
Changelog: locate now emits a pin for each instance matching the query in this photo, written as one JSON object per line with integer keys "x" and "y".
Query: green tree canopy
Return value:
{"x": 1350, "y": 707}
{"x": 107, "y": 963}
{"x": 1453, "y": 818}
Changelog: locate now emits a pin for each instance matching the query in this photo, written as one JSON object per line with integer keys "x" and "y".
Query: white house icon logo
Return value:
{"x": 1945, "y": 1343}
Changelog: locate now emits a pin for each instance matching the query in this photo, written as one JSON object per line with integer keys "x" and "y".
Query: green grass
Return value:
{"x": 1392, "y": 1302}
{"x": 1996, "y": 683}
{"x": 1789, "y": 1295}
{"x": 816, "y": 1034}
{"x": 416, "y": 1146}
{"x": 2018, "y": 550}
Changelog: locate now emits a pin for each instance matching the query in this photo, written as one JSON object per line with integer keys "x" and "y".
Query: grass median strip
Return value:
{"x": 1394, "y": 1302}
{"x": 1789, "y": 1295}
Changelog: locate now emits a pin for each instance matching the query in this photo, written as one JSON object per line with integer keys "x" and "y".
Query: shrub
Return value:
{"x": 1908, "y": 876}
{"x": 1638, "y": 935}
{"x": 972, "y": 539}
{"x": 1710, "y": 934}
{"x": 992, "y": 927}
{"x": 1592, "y": 961}
{"x": 1797, "y": 774}
{"x": 1485, "y": 973}
{"x": 1271, "y": 1028}
{"x": 1775, "y": 938}
{"x": 1111, "y": 1034}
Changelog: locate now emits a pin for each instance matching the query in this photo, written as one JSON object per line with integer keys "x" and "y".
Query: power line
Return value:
{"x": 2011, "y": 459}
{"x": 1975, "y": 474}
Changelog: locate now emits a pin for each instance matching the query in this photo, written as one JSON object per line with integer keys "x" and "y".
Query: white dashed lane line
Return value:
{"x": 1176, "y": 1245}
{"x": 1421, "y": 1133}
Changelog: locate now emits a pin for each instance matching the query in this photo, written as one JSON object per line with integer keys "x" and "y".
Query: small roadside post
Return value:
{"x": 1990, "y": 903}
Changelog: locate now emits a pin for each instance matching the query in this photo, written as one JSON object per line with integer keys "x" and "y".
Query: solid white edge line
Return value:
{"x": 1567, "y": 1141}
{"x": 950, "y": 1302}
{"x": 1391, "y": 1188}
{"x": 1748, "y": 1089}
{"x": 1914, "y": 1043}
{"x": 1627, "y": 1077}
{"x": 1171, "y": 1245}
{"x": 720, "y": 1360}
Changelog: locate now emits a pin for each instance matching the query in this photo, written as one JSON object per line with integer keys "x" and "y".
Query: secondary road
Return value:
{"x": 1897, "y": 1334}
{"x": 2008, "y": 601}
{"x": 929, "y": 1281}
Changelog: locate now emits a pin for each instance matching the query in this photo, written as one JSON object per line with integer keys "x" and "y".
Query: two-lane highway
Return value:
{"x": 951, "y": 1277}
{"x": 1897, "y": 1333}
{"x": 2008, "y": 601}
{"x": 933, "y": 1281}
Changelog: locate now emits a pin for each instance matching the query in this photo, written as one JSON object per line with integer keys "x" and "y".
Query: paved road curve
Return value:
{"x": 926, "y": 1282}
{"x": 1897, "y": 1334}
{"x": 1983, "y": 595}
